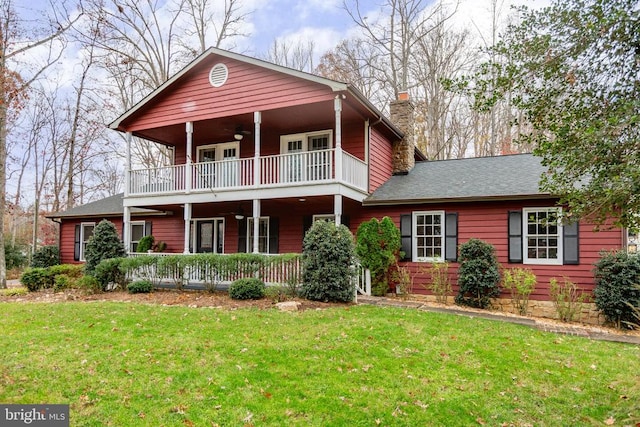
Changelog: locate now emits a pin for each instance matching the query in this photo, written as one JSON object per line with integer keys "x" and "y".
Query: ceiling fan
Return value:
{"x": 240, "y": 133}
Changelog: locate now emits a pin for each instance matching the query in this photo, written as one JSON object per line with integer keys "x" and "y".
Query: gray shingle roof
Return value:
{"x": 109, "y": 206}
{"x": 501, "y": 177}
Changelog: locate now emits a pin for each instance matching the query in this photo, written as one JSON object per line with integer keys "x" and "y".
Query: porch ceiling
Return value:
{"x": 280, "y": 121}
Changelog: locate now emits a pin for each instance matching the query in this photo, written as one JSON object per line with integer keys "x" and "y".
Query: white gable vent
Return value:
{"x": 218, "y": 75}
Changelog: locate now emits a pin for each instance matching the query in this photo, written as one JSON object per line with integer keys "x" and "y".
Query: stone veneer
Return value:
{"x": 403, "y": 150}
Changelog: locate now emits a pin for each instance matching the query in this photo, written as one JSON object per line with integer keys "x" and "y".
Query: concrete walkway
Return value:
{"x": 568, "y": 329}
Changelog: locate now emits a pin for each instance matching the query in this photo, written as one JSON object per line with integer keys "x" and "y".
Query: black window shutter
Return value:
{"x": 515, "y": 236}
{"x": 274, "y": 229}
{"x": 76, "y": 244}
{"x": 242, "y": 235}
{"x": 451, "y": 236}
{"x": 344, "y": 219}
{"x": 122, "y": 235}
{"x": 570, "y": 243}
{"x": 406, "y": 230}
{"x": 147, "y": 228}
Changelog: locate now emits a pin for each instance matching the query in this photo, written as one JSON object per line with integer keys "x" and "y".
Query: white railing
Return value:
{"x": 168, "y": 179}
{"x": 354, "y": 171}
{"x": 297, "y": 168}
{"x": 278, "y": 170}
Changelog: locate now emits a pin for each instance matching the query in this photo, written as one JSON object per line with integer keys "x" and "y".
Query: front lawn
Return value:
{"x": 133, "y": 364}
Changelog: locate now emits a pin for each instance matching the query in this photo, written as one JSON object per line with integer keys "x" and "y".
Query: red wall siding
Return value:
{"x": 380, "y": 160}
{"x": 488, "y": 221}
{"x": 248, "y": 88}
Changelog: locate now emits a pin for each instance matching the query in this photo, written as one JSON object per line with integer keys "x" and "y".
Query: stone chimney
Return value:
{"x": 404, "y": 149}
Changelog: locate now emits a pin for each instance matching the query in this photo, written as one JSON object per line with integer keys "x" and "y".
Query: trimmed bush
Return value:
{"x": 248, "y": 288}
{"x": 109, "y": 274}
{"x": 378, "y": 248}
{"x": 140, "y": 287}
{"x": 89, "y": 284}
{"x": 46, "y": 256}
{"x": 62, "y": 282}
{"x": 35, "y": 279}
{"x": 73, "y": 271}
{"x": 145, "y": 244}
{"x": 478, "y": 275}
{"x": 617, "y": 294}
{"x": 104, "y": 244}
{"x": 328, "y": 255}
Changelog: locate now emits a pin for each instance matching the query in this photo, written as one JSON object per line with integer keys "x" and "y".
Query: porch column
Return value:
{"x": 256, "y": 226}
{"x": 187, "y": 226}
{"x": 127, "y": 175}
{"x": 337, "y": 208}
{"x": 337, "y": 106}
{"x": 189, "y": 171}
{"x": 257, "y": 119}
{"x": 126, "y": 229}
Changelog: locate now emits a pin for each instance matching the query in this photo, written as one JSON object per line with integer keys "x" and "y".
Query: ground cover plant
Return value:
{"x": 138, "y": 365}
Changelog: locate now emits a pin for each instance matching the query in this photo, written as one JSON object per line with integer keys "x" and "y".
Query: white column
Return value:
{"x": 337, "y": 208}
{"x": 127, "y": 175}
{"x": 337, "y": 106}
{"x": 257, "y": 119}
{"x": 126, "y": 229}
{"x": 256, "y": 226}
{"x": 189, "y": 171}
{"x": 187, "y": 226}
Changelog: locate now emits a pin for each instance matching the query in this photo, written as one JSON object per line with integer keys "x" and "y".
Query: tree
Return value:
{"x": 571, "y": 70}
{"x": 378, "y": 246}
{"x": 14, "y": 42}
{"x": 104, "y": 244}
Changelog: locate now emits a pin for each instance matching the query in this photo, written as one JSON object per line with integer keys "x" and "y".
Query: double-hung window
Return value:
{"x": 428, "y": 232}
{"x": 82, "y": 234}
{"x": 263, "y": 234}
{"x": 538, "y": 236}
{"x": 542, "y": 236}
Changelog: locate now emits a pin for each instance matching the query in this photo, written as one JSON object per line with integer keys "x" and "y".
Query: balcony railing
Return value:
{"x": 285, "y": 170}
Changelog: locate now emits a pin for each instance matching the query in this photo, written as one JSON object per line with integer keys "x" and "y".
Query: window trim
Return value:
{"x": 219, "y": 149}
{"x": 83, "y": 242}
{"x": 193, "y": 233}
{"x": 414, "y": 238}
{"x": 250, "y": 234}
{"x": 144, "y": 233}
{"x": 324, "y": 217}
{"x": 304, "y": 137}
{"x": 559, "y": 260}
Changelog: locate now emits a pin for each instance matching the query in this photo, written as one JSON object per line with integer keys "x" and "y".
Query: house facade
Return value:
{"x": 257, "y": 152}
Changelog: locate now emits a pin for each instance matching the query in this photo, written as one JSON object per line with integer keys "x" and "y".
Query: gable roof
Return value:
{"x": 483, "y": 178}
{"x": 334, "y": 85}
{"x": 109, "y": 206}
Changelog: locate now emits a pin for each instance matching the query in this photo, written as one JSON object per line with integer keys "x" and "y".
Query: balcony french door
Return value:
{"x": 212, "y": 173}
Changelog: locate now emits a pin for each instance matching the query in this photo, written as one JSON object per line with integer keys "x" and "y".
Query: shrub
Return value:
{"x": 145, "y": 244}
{"x": 403, "y": 280}
{"x": 140, "y": 287}
{"x": 440, "y": 285}
{"x": 247, "y": 288}
{"x": 89, "y": 284}
{"x": 73, "y": 271}
{"x": 378, "y": 248}
{"x": 478, "y": 275}
{"x": 520, "y": 282}
{"x": 46, "y": 256}
{"x": 62, "y": 282}
{"x": 104, "y": 244}
{"x": 616, "y": 293}
{"x": 327, "y": 258}
{"x": 13, "y": 292}
{"x": 109, "y": 274}
{"x": 14, "y": 257}
{"x": 277, "y": 293}
{"x": 566, "y": 298}
{"x": 37, "y": 278}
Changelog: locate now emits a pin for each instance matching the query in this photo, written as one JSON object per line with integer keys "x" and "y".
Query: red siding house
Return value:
{"x": 260, "y": 151}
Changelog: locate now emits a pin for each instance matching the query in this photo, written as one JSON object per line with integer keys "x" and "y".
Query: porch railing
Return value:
{"x": 277, "y": 170}
{"x": 205, "y": 271}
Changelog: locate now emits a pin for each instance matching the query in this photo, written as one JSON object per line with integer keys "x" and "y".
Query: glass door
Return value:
{"x": 210, "y": 236}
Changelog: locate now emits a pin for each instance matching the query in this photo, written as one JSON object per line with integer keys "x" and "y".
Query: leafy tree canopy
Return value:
{"x": 572, "y": 69}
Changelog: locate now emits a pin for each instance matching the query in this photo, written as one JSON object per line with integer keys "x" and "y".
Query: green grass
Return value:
{"x": 124, "y": 364}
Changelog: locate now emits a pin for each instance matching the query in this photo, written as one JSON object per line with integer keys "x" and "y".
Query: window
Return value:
{"x": 208, "y": 235}
{"x": 632, "y": 241}
{"x": 86, "y": 231}
{"x": 137, "y": 232}
{"x": 324, "y": 217}
{"x": 217, "y": 165}
{"x": 542, "y": 236}
{"x": 428, "y": 236}
{"x": 263, "y": 235}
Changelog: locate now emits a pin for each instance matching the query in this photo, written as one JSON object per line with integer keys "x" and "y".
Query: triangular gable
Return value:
{"x": 252, "y": 85}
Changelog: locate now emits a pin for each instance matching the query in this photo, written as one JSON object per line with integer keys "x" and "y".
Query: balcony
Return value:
{"x": 272, "y": 172}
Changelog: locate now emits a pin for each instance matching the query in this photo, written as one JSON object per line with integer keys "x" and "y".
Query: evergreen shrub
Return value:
{"x": 478, "y": 274}
{"x": 617, "y": 294}
{"x": 247, "y": 288}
